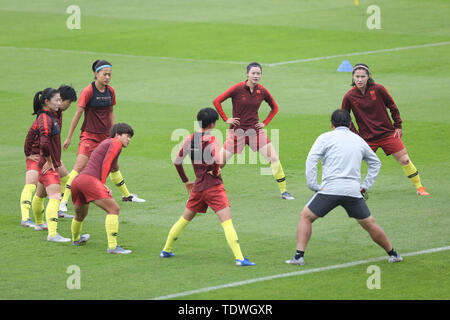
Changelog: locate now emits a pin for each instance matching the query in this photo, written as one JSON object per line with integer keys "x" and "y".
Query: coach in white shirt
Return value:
{"x": 342, "y": 152}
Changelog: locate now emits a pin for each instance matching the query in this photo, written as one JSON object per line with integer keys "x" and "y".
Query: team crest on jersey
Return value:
{"x": 372, "y": 94}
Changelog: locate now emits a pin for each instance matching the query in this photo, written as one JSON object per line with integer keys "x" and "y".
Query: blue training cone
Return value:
{"x": 345, "y": 66}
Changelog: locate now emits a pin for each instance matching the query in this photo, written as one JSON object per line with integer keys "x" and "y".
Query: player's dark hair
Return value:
{"x": 207, "y": 116}
{"x": 99, "y": 63}
{"x": 253, "y": 64}
{"x": 67, "y": 93}
{"x": 40, "y": 97}
{"x": 121, "y": 128}
{"x": 365, "y": 67}
{"x": 341, "y": 118}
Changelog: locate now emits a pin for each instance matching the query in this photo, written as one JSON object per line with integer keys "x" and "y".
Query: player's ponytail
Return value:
{"x": 40, "y": 97}
{"x": 37, "y": 106}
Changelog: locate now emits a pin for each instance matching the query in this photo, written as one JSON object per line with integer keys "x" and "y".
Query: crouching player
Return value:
{"x": 89, "y": 186}
{"x": 207, "y": 190}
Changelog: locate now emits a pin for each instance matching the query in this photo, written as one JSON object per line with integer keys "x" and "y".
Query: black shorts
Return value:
{"x": 320, "y": 204}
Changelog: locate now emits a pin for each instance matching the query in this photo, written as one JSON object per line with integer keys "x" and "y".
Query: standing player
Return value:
{"x": 89, "y": 186}
{"x": 46, "y": 104}
{"x": 31, "y": 149}
{"x": 207, "y": 190}
{"x": 96, "y": 102}
{"x": 368, "y": 101}
{"x": 341, "y": 152}
{"x": 245, "y": 127}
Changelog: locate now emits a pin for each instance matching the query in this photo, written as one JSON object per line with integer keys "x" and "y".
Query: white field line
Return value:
{"x": 359, "y": 53}
{"x": 296, "y": 273}
{"x": 124, "y": 55}
{"x": 233, "y": 62}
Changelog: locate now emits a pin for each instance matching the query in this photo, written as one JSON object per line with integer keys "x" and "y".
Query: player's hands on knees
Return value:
{"x": 398, "y": 133}
{"x": 189, "y": 186}
{"x": 109, "y": 190}
{"x": 48, "y": 165}
{"x": 260, "y": 125}
{"x": 233, "y": 121}
{"x": 66, "y": 144}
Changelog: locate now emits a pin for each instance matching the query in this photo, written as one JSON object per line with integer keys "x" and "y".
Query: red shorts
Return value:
{"x": 237, "y": 139}
{"x": 214, "y": 197}
{"x": 389, "y": 144}
{"x": 50, "y": 177}
{"x": 89, "y": 141}
{"x": 32, "y": 165}
{"x": 86, "y": 188}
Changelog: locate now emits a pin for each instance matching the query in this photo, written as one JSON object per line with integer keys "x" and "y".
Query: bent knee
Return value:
{"x": 367, "y": 223}
{"x": 307, "y": 214}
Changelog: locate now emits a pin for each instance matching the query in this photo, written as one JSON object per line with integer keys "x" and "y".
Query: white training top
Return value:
{"x": 342, "y": 152}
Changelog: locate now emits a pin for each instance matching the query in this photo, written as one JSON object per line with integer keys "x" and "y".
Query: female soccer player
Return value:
{"x": 89, "y": 186}
{"x": 368, "y": 101}
{"x": 207, "y": 190}
{"x": 245, "y": 127}
{"x": 46, "y": 104}
{"x": 31, "y": 148}
{"x": 96, "y": 102}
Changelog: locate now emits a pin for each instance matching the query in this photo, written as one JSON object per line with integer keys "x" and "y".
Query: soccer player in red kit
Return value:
{"x": 31, "y": 148}
{"x": 245, "y": 128}
{"x": 46, "y": 104}
{"x": 89, "y": 186}
{"x": 368, "y": 101}
{"x": 96, "y": 102}
{"x": 207, "y": 190}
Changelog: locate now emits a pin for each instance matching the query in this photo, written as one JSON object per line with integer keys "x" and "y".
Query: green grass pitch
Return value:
{"x": 171, "y": 58}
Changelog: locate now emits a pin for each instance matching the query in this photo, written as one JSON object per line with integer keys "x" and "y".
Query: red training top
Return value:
{"x": 97, "y": 107}
{"x": 246, "y": 104}
{"x": 32, "y": 139}
{"x": 102, "y": 159}
{"x": 204, "y": 152}
{"x": 370, "y": 112}
{"x": 49, "y": 138}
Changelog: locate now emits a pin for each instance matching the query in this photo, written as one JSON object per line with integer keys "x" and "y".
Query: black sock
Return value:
{"x": 299, "y": 254}
{"x": 392, "y": 252}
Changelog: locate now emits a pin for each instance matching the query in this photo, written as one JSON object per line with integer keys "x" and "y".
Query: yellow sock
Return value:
{"x": 76, "y": 229}
{"x": 174, "y": 233}
{"x": 25, "y": 200}
{"x": 117, "y": 179}
{"x": 37, "y": 206}
{"x": 51, "y": 215}
{"x": 63, "y": 183}
{"x": 66, "y": 191}
{"x": 112, "y": 229}
{"x": 232, "y": 239}
{"x": 412, "y": 173}
{"x": 278, "y": 174}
